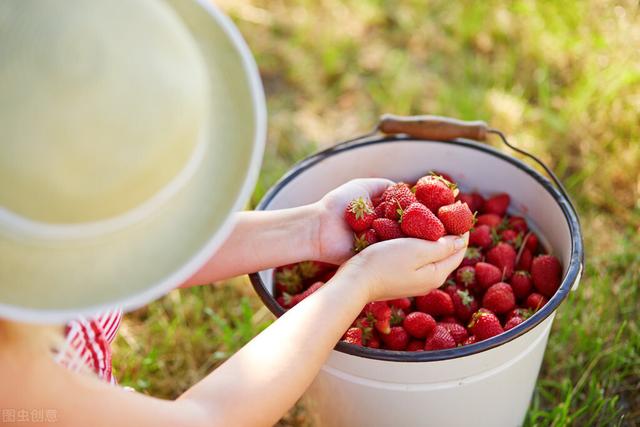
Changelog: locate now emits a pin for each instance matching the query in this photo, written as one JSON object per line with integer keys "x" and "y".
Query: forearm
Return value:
{"x": 263, "y": 239}
{"x": 277, "y": 366}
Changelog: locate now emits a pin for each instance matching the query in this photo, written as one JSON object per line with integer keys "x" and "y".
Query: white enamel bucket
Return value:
{"x": 489, "y": 383}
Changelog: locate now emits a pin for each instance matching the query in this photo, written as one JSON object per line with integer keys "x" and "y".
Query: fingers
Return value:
{"x": 439, "y": 270}
{"x": 429, "y": 252}
{"x": 373, "y": 186}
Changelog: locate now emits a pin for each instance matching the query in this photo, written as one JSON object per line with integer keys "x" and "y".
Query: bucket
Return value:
{"x": 489, "y": 383}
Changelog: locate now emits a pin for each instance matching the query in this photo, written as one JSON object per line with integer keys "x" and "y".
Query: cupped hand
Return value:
{"x": 405, "y": 267}
{"x": 334, "y": 237}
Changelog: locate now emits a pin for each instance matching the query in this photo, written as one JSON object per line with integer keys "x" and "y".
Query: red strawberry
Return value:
{"x": 457, "y": 331}
{"x": 374, "y": 342}
{"x": 503, "y": 256}
{"x": 499, "y": 298}
{"x": 546, "y": 274}
{"x": 387, "y": 229}
{"x": 472, "y": 256}
{"x": 364, "y": 239}
{"x": 415, "y": 345}
{"x": 418, "y": 324}
{"x": 375, "y": 201}
{"x": 513, "y": 322}
{"x": 397, "y": 316}
{"x": 311, "y": 269}
{"x": 450, "y": 319}
{"x": 359, "y": 214}
{"x": 521, "y": 284}
{"x": 524, "y": 263}
{"x": 396, "y": 339}
{"x": 353, "y": 336}
{"x": 464, "y": 304}
{"x": 380, "y": 210}
{"x": 470, "y": 340}
{"x": 484, "y": 324}
{"x": 518, "y": 224}
{"x": 420, "y": 222}
{"x": 497, "y": 204}
{"x": 474, "y": 200}
{"x": 511, "y": 237}
{"x": 434, "y": 192}
{"x": 393, "y": 190}
{"x": 380, "y": 314}
{"x": 535, "y": 301}
{"x": 531, "y": 242}
{"x": 444, "y": 176}
{"x": 401, "y": 199}
{"x": 466, "y": 276}
{"x": 436, "y": 303}
{"x": 456, "y": 218}
{"x": 402, "y": 303}
{"x": 524, "y": 313}
{"x": 439, "y": 339}
{"x": 487, "y": 274}
{"x": 289, "y": 280}
{"x": 491, "y": 220}
{"x": 480, "y": 236}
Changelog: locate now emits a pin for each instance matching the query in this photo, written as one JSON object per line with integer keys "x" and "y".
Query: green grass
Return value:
{"x": 562, "y": 79}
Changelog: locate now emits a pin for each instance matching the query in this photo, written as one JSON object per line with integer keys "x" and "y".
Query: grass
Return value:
{"x": 562, "y": 79}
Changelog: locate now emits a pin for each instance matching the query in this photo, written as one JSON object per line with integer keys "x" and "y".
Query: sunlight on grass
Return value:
{"x": 561, "y": 78}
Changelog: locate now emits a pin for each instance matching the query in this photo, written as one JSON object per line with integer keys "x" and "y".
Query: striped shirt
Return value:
{"x": 88, "y": 344}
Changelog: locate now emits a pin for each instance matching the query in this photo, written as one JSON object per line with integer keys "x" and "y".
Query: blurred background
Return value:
{"x": 560, "y": 78}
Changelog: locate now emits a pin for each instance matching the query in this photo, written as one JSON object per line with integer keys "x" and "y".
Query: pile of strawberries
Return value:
{"x": 503, "y": 279}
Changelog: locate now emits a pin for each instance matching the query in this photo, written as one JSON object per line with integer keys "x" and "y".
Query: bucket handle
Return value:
{"x": 446, "y": 129}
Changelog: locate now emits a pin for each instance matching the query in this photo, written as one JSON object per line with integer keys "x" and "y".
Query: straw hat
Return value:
{"x": 130, "y": 130}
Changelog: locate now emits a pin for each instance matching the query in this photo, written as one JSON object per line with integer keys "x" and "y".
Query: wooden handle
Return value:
{"x": 433, "y": 127}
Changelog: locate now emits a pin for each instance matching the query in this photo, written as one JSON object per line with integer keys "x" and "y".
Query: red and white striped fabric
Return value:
{"x": 88, "y": 344}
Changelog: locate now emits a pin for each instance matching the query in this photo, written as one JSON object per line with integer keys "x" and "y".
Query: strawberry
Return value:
{"x": 401, "y": 199}
{"x": 436, "y": 303}
{"x": 524, "y": 313}
{"x": 289, "y": 280}
{"x": 511, "y": 237}
{"x": 402, "y": 303}
{"x": 440, "y": 338}
{"x": 457, "y": 331}
{"x": 472, "y": 256}
{"x": 387, "y": 229}
{"x": 521, "y": 284}
{"x": 480, "y": 236}
{"x": 363, "y": 239}
{"x": 456, "y": 218}
{"x": 470, "y": 340}
{"x": 418, "y": 324}
{"x": 353, "y": 336}
{"x": 524, "y": 262}
{"x": 503, "y": 256}
{"x": 535, "y": 301}
{"x": 374, "y": 342}
{"x": 531, "y": 242}
{"x": 418, "y": 221}
{"x": 396, "y": 339}
{"x": 546, "y": 274}
{"x": 380, "y": 210}
{"x": 497, "y": 204}
{"x": 443, "y": 175}
{"x": 311, "y": 269}
{"x": 397, "y": 316}
{"x": 394, "y": 190}
{"x": 499, "y": 298}
{"x": 359, "y": 214}
{"x": 474, "y": 200}
{"x": 433, "y": 192}
{"x": 513, "y": 322}
{"x": 379, "y": 313}
{"x": 518, "y": 224}
{"x": 415, "y": 345}
{"x": 466, "y": 276}
{"x": 450, "y": 319}
{"x": 484, "y": 324}
{"x": 375, "y": 201}
{"x": 464, "y": 304}
{"x": 487, "y": 274}
{"x": 491, "y": 220}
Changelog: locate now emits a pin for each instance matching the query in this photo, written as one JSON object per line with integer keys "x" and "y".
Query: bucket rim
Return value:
{"x": 573, "y": 272}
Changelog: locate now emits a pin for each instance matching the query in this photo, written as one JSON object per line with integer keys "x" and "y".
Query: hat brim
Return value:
{"x": 55, "y": 281}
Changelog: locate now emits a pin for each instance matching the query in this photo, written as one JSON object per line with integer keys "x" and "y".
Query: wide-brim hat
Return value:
{"x": 130, "y": 131}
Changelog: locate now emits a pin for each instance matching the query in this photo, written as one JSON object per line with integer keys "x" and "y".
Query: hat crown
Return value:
{"x": 103, "y": 107}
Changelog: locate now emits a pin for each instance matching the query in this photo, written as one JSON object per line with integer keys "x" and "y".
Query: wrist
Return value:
{"x": 355, "y": 281}
{"x": 307, "y": 232}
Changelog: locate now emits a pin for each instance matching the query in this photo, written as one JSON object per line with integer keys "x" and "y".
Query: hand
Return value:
{"x": 405, "y": 267}
{"x": 334, "y": 237}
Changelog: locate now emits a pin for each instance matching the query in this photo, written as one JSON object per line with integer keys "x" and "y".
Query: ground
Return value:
{"x": 562, "y": 79}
